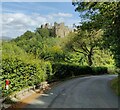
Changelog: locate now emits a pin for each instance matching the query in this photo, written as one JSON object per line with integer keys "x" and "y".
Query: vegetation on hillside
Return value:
{"x": 37, "y": 56}
{"x": 21, "y": 68}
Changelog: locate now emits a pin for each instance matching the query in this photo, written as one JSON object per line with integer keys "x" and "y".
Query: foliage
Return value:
{"x": 26, "y": 60}
{"x": 99, "y": 70}
{"x": 44, "y": 32}
{"x": 49, "y": 71}
{"x": 19, "y": 74}
{"x": 85, "y": 49}
{"x": 115, "y": 84}
{"x": 22, "y": 69}
{"x": 103, "y": 15}
{"x": 62, "y": 70}
{"x": 78, "y": 48}
{"x": 26, "y": 36}
{"x": 46, "y": 48}
{"x": 103, "y": 58}
{"x": 75, "y": 58}
{"x": 52, "y": 50}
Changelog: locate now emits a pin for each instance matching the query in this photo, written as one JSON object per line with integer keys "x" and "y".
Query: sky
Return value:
{"x": 18, "y": 17}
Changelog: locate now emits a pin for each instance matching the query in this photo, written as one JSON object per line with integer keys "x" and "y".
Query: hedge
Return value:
{"x": 62, "y": 70}
{"x": 22, "y": 75}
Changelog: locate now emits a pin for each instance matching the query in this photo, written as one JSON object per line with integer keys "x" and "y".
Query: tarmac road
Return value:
{"x": 85, "y": 92}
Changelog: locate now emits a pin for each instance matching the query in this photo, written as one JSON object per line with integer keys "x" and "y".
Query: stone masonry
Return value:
{"x": 60, "y": 30}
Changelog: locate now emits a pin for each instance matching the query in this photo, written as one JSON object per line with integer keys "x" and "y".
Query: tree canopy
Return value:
{"x": 105, "y": 16}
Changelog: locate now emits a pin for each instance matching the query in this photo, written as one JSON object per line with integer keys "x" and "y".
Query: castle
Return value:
{"x": 59, "y": 30}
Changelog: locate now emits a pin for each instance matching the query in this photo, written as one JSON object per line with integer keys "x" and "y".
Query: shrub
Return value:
{"x": 21, "y": 74}
{"x": 99, "y": 70}
{"x": 21, "y": 69}
{"x": 48, "y": 71}
{"x": 62, "y": 70}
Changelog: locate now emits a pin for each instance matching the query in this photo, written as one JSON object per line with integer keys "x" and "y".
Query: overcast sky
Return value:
{"x": 18, "y": 17}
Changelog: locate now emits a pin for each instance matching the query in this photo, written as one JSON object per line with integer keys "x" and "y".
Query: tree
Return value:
{"x": 85, "y": 42}
{"x": 26, "y": 36}
{"x": 44, "y": 32}
{"x": 103, "y": 15}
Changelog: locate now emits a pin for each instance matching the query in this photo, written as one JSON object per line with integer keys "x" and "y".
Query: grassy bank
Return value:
{"x": 115, "y": 84}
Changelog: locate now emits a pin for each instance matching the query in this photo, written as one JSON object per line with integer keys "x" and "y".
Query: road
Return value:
{"x": 85, "y": 92}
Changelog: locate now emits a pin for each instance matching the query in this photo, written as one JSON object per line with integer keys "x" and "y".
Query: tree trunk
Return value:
{"x": 90, "y": 57}
{"x": 90, "y": 60}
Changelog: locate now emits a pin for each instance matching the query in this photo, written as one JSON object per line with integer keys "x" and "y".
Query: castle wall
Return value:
{"x": 60, "y": 30}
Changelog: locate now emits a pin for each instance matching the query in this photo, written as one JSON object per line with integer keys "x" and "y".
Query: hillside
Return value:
{"x": 35, "y": 57}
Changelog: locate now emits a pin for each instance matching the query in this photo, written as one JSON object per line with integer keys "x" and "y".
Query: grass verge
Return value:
{"x": 115, "y": 84}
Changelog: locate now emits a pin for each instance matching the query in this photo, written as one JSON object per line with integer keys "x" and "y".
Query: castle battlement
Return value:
{"x": 59, "y": 29}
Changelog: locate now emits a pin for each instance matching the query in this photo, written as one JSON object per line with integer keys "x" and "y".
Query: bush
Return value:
{"x": 112, "y": 70}
{"x": 21, "y": 74}
{"x": 49, "y": 71}
{"x": 62, "y": 70}
{"x": 22, "y": 69}
{"x": 99, "y": 70}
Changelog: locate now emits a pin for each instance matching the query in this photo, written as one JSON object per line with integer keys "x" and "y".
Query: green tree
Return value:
{"x": 85, "y": 42}
{"x": 103, "y": 15}
{"x": 44, "y": 32}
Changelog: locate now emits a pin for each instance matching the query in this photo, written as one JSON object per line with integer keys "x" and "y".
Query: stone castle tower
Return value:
{"x": 60, "y": 30}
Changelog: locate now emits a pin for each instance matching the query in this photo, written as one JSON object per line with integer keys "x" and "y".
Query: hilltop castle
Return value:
{"x": 59, "y": 30}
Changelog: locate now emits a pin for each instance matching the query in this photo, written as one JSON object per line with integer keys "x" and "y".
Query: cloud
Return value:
{"x": 21, "y": 19}
{"x": 62, "y": 15}
{"x": 19, "y": 23}
{"x": 15, "y": 24}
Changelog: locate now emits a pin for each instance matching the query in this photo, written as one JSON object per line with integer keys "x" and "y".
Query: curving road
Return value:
{"x": 85, "y": 92}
